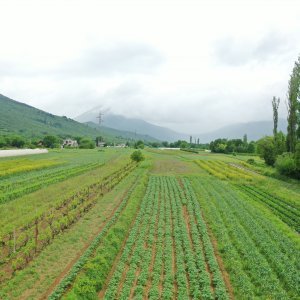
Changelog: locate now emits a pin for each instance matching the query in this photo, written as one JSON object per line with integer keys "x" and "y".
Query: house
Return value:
{"x": 69, "y": 143}
{"x": 101, "y": 144}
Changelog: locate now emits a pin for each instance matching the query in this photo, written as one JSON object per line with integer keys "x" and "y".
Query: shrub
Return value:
{"x": 286, "y": 165}
{"x": 137, "y": 156}
{"x": 266, "y": 149}
{"x": 86, "y": 144}
{"x": 251, "y": 161}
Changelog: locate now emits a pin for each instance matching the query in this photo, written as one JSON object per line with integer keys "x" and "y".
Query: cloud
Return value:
{"x": 234, "y": 51}
{"x": 117, "y": 59}
{"x": 94, "y": 61}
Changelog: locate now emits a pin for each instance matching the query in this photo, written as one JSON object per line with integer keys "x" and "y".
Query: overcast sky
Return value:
{"x": 192, "y": 66}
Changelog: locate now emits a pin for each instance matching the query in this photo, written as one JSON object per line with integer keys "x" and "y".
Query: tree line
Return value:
{"x": 280, "y": 150}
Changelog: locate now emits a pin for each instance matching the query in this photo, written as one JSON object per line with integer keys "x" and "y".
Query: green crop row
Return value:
{"x": 96, "y": 268}
{"x": 13, "y": 189}
{"x": 224, "y": 170}
{"x": 10, "y": 167}
{"x": 284, "y": 210}
{"x": 21, "y": 246}
{"x": 261, "y": 259}
{"x": 160, "y": 254}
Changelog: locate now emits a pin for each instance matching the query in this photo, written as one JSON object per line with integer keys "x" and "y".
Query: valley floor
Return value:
{"x": 94, "y": 225}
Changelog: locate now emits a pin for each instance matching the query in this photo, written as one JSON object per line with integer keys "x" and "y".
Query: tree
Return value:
{"x": 139, "y": 145}
{"x": 17, "y": 141}
{"x": 275, "y": 105}
{"x": 280, "y": 143}
{"x": 266, "y": 149}
{"x": 50, "y": 141}
{"x": 293, "y": 107}
{"x": 137, "y": 156}
{"x": 86, "y": 144}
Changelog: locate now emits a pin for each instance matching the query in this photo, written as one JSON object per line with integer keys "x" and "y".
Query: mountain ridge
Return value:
{"x": 22, "y": 119}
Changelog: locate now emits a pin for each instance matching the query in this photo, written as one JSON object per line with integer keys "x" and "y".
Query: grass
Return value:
{"x": 255, "y": 249}
{"x": 36, "y": 279}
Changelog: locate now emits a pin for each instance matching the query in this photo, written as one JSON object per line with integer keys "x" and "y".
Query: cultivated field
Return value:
{"x": 88, "y": 224}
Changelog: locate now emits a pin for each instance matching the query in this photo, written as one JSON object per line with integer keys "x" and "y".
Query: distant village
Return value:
{"x": 70, "y": 143}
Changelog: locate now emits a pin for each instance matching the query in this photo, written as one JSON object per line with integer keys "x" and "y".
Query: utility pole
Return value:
{"x": 100, "y": 115}
{"x": 100, "y": 120}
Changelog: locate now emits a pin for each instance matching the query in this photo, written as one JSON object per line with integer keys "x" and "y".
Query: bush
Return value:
{"x": 86, "y": 144}
{"x": 266, "y": 149}
{"x": 137, "y": 156}
{"x": 286, "y": 165}
{"x": 139, "y": 145}
{"x": 251, "y": 161}
{"x": 51, "y": 141}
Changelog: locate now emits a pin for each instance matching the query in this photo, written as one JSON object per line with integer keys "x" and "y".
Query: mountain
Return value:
{"x": 134, "y": 125}
{"x": 254, "y": 131}
{"x": 22, "y": 119}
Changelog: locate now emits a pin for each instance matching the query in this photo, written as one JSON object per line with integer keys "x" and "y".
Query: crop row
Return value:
{"x": 11, "y": 167}
{"x": 176, "y": 265}
{"x": 10, "y": 190}
{"x": 92, "y": 274}
{"x": 20, "y": 246}
{"x": 261, "y": 259}
{"x": 224, "y": 171}
{"x": 283, "y": 209}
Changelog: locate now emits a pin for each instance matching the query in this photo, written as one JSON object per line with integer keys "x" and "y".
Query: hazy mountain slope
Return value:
{"x": 134, "y": 125}
{"x": 22, "y": 119}
{"x": 128, "y": 135}
{"x": 254, "y": 131}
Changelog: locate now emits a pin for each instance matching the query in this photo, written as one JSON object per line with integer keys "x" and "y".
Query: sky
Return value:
{"x": 192, "y": 66}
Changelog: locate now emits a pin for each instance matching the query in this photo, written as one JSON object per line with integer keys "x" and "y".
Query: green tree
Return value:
{"x": 139, "y": 145}
{"x": 17, "y": 141}
{"x": 86, "y": 143}
{"x": 293, "y": 107}
{"x": 275, "y": 106}
{"x": 266, "y": 149}
{"x": 280, "y": 143}
{"x": 51, "y": 141}
{"x": 137, "y": 156}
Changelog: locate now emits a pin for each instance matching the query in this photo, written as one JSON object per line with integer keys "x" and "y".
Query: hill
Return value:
{"x": 254, "y": 131}
{"x": 133, "y": 125}
{"x": 25, "y": 120}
